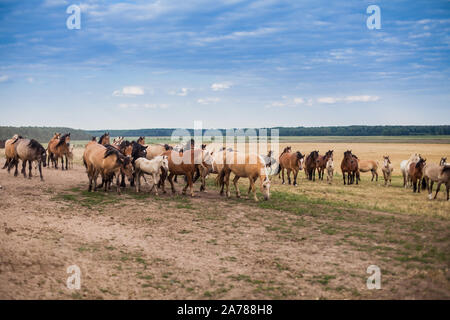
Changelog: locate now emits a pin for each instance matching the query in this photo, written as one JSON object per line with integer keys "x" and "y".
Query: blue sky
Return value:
{"x": 230, "y": 63}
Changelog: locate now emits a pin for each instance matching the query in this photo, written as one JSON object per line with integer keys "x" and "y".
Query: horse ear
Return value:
{"x": 145, "y": 147}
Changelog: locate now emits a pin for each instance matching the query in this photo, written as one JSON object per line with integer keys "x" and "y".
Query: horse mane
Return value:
{"x": 124, "y": 144}
{"x": 167, "y": 147}
{"x": 62, "y": 140}
{"x": 94, "y": 138}
{"x": 419, "y": 162}
{"x": 299, "y": 155}
{"x": 101, "y": 138}
{"x": 110, "y": 150}
{"x": 445, "y": 168}
{"x": 35, "y": 145}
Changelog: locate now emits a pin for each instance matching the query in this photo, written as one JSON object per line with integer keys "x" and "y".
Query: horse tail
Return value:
{"x": 424, "y": 183}
{"x": 278, "y": 169}
{"x": 220, "y": 178}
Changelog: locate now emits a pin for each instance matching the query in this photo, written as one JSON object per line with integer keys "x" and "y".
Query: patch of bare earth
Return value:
{"x": 146, "y": 247}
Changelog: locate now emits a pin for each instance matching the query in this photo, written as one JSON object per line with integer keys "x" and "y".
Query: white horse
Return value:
{"x": 330, "y": 170}
{"x": 151, "y": 167}
{"x": 404, "y": 168}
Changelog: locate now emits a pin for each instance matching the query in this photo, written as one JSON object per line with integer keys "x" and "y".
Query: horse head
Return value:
{"x": 265, "y": 188}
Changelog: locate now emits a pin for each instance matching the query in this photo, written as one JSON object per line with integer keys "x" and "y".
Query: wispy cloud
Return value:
{"x": 221, "y": 86}
{"x": 143, "y": 106}
{"x": 4, "y": 78}
{"x": 208, "y": 100}
{"x": 349, "y": 99}
{"x": 130, "y": 91}
{"x": 182, "y": 92}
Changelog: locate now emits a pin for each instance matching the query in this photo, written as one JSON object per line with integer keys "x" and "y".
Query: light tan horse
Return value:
{"x": 10, "y": 151}
{"x": 431, "y": 174}
{"x": 444, "y": 178}
{"x": 51, "y": 144}
{"x": 60, "y": 150}
{"x": 251, "y": 166}
{"x": 108, "y": 162}
{"x": 154, "y": 150}
{"x": 369, "y": 165}
{"x": 387, "y": 169}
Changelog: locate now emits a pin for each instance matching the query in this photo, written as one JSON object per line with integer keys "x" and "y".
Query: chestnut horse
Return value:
{"x": 29, "y": 150}
{"x": 416, "y": 174}
{"x": 310, "y": 165}
{"x": 53, "y": 142}
{"x": 182, "y": 163}
{"x": 322, "y": 163}
{"x": 285, "y": 150}
{"x": 291, "y": 161}
{"x": 60, "y": 150}
{"x": 349, "y": 165}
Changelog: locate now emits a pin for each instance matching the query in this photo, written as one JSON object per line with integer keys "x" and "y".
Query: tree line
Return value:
{"x": 44, "y": 134}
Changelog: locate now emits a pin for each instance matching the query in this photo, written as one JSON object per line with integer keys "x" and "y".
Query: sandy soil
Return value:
{"x": 146, "y": 247}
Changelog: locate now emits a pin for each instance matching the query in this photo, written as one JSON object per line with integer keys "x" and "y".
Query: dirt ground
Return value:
{"x": 139, "y": 246}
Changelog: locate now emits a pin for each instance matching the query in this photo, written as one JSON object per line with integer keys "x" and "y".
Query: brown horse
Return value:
{"x": 141, "y": 141}
{"x": 247, "y": 169}
{"x": 322, "y": 163}
{"x": 10, "y": 151}
{"x": 182, "y": 163}
{"x": 416, "y": 174}
{"x": 104, "y": 139}
{"x": 53, "y": 142}
{"x": 29, "y": 150}
{"x": 60, "y": 150}
{"x": 349, "y": 165}
{"x": 291, "y": 161}
{"x": 107, "y": 162}
{"x": 387, "y": 169}
{"x": 285, "y": 150}
{"x": 310, "y": 165}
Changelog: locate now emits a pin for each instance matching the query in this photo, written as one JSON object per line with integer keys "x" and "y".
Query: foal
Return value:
{"x": 387, "y": 169}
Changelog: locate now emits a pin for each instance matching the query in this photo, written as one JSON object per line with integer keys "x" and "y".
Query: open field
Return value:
{"x": 313, "y": 241}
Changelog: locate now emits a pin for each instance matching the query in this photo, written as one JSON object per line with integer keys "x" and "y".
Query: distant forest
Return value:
{"x": 43, "y": 134}
{"x": 307, "y": 131}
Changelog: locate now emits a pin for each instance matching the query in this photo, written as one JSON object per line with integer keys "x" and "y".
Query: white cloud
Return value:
{"x": 182, "y": 92}
{"x": 240, "y": 34}
{"x": 4, "y": 78}
{"x": 299, "y": 100}
{"x": 286, "y": 102}
{"x": 30, "y": 79}
{"x": 54, "y": 3}
{"x": 221, "y": 86}
{"x": 143, "y": 106}
{"x": 129, "y": 91}
{"x": 348, "y": 99}
{"x": 208, "y": 100}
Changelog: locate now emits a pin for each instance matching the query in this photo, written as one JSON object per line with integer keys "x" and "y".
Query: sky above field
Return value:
{"x": 230, "y": 63}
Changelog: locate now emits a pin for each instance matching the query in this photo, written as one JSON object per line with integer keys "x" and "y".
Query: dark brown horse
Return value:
{"x": 141, "y": 141}
{"x": 416, "y": 173}
{"x": 322, "y": 163}
{"x": 311, "y": 164}
{"x": 349, "y": 165}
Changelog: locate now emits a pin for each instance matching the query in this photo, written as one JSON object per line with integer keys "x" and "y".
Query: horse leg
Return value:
{"x": 24, "y": 164}
{"x": 447, "y": 186}
{"x": 62, "y": 162}
{"x": 414, "y": 185}
{"x": 289, "y": 175}
{"x": 295, "y": 177}
{"x": 154, "y": 184}
{"x": 282, "y": 174}
{"x": 227, "y": 183}
{"x": 376, "y": 173}
{"x": 252, "y": 185}
{"x": 190, "y": 182}
{"x": 6, "y": 163}
{"x": 438, "y": 187}
{"x": 138, "y": 182}
{"x": 343, "y": 176}
{"x": 314, "y": 174}
{"x": 118, "y": 183}
{"x": 235, "y": 180}
{"x": 171, "y": 182}
{"x": 30, "y": 168}
{"x": 122, "y": 183}
{"x": 40, "y": 170}
{"x": 430, "y": 189}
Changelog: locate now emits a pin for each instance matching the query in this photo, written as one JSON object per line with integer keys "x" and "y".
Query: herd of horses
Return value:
{"x": 133, "y": 160}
